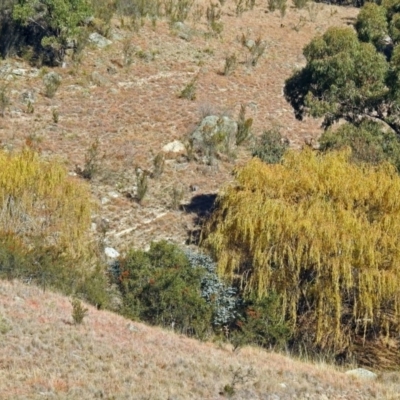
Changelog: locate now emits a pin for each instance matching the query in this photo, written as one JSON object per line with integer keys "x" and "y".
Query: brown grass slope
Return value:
{"x": 43, "y": 355}
{"x": 135, "y": 110}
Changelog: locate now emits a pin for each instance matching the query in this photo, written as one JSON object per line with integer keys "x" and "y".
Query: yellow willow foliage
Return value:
{"x": 39, "y": 201}
{"x": 321, "y": 232}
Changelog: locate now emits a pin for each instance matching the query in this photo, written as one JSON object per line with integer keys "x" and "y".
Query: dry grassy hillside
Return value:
{"x": 45, "y": 356}
{"x": 134, "y": 110}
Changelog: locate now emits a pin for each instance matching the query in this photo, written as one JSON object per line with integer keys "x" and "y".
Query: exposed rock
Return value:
{"x": 184, "y": 31}
{"x": 19, "y": 71}
{"x": 250, "y": 44}
{"x": 362, "y": 373}
{"x": 214, "y": 134}
{"x": 52, "y": 78}
{"x": 174, "y": 148}
{"x": 113, "y": 194}
{"x": 132, "y": 328}
{"x": 98, "y": 79}
{"x": 99, "y": 40}
{"x": 111, "y": 252}
{"x": 28, "y": 96}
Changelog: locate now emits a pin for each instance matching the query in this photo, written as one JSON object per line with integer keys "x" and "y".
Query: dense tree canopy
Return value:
{"x": 55, "y": 22}
{"x": 322, "y": 233}
{"x": 353, "y": 74}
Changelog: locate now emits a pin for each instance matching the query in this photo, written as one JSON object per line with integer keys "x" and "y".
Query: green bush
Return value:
{"x": 54, "y": 23}
{"x": 368, "y": 141}
{"x": 48, "y": 268}
{"x": 263, "y": 323}
{"x": 161, "y": 288}
{"x": 270, "y": 147}
{"x": 78, "y": 311}
{"x": 173, "y": 288}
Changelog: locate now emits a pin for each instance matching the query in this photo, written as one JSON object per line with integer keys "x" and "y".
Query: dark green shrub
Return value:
{"x": 189, "y": 91}
{"x": 47, "y": 267}
{"x": 78, "y": 311}
{"x": 161, "y": 288}
{"x": 270, "y": 147}
{"x": 262, "y": 323}
{"x": 50, "y": 24}
{"x": 244, "y": 126}
{"x": 300, "y": 4}
{"x": 94, "y": 288}
{"x": 181, "y": 289}
{"x": 372, "y": 25}
{"x": 368, "y": 141}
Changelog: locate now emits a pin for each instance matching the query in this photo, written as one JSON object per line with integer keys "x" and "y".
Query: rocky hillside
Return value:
{"x": 119, "y": 105}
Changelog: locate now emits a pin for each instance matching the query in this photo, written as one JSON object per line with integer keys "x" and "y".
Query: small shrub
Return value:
{"x": 240, "y": 7}
{"x": 141, "y": 184}
{"x": 282, "y": 6}
{"x": 128, "y": 51}
{"x": 94, "y": 287}
{"x": 229, "y": 390}
{"x": 159, "y": 164}
{"x": 244, "y": 126}
{"x": 4, "y": 98}
{"x": 256, "y": 51}
{"x": 313, "y": 10}
{"x": 230, "y": 64}
{"x": 270, "y": 147}
{"x": 277, "y": 5}
{"x": 240, "y": 376}
{"x": 177, "y": 195}
{"x": 300, "y": 4}
{"x": 92, "y": 161}
{"x": 5, "y": 326}
{"x": 299, "y": 24}
{"x": 29, "y": 108}
{"x": 250, "y": 4}
{"x": 104, "y": 11}
{"x": 79, "y": 312}
{"x": 52, "y": 82}
{"x": 55, "y": 115}
{"x": 81, "y": 42}
{"x": 190, "y": 154}
{"x": 197, "y": 13}
{"x": 213, "y": 14}
{"x": 261, "y": 323}
{"x": 189, "y": 91}
{"x": 272, "y": 5}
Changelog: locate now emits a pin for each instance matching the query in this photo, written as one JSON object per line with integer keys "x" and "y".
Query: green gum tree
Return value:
{"x": 57, "y": 21}
{"x": 352, "y": 74}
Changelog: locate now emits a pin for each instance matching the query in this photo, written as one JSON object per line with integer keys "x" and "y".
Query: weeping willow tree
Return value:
{"x": 324, "y": 234}
{"x": 40, "y": 203}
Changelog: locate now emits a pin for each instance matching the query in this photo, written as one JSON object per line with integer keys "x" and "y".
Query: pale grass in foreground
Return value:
{"x": 44, "y": 355}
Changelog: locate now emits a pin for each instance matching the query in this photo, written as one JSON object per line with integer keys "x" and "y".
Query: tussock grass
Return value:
{"x": 43, "y": 354}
